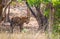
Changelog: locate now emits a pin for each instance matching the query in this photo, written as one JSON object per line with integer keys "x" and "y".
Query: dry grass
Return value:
{"x": 22, "y": 35}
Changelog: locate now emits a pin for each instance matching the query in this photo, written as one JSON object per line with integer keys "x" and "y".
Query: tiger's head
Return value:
{"x": 25, "y": 19}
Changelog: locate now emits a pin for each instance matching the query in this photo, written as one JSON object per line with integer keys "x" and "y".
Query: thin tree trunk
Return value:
{"x": 39, "y": 17}
{"x": 31, "y": 10}
{"x": 43, "y": 19}
{"x": 9, "y": 2}
{"x": 8, "y": 19}
{"x": 51, "y": 18}
{"x": 1, "y": 9}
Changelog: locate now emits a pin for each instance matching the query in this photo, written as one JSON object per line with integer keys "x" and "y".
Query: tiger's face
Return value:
{"x": 25, "y": 19}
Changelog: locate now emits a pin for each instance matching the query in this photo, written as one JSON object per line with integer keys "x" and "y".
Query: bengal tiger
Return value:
{"x": 17, "y": 21}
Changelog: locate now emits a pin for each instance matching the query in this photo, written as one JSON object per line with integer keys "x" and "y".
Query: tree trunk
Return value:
{"x": 6, "y": 6}
{"x": 42, "y": 19}
{"x": 51, "y": 18}
{"x": 1, "y": 9}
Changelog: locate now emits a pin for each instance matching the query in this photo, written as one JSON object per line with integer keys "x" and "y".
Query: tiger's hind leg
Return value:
{"x": 11, "y": 26}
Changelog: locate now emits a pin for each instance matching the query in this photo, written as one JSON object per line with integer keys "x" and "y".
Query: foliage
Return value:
{"x": 13, "y": 3}
{"x": 34, "y": 2}
{"x": 19, "y": 0}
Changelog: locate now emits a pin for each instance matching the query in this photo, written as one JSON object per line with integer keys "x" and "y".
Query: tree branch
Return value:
{"x": 30, "y": 9}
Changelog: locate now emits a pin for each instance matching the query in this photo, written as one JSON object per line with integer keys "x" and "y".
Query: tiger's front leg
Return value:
{"x": 11, "y": 26}
{"x": 21, "y": 27}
